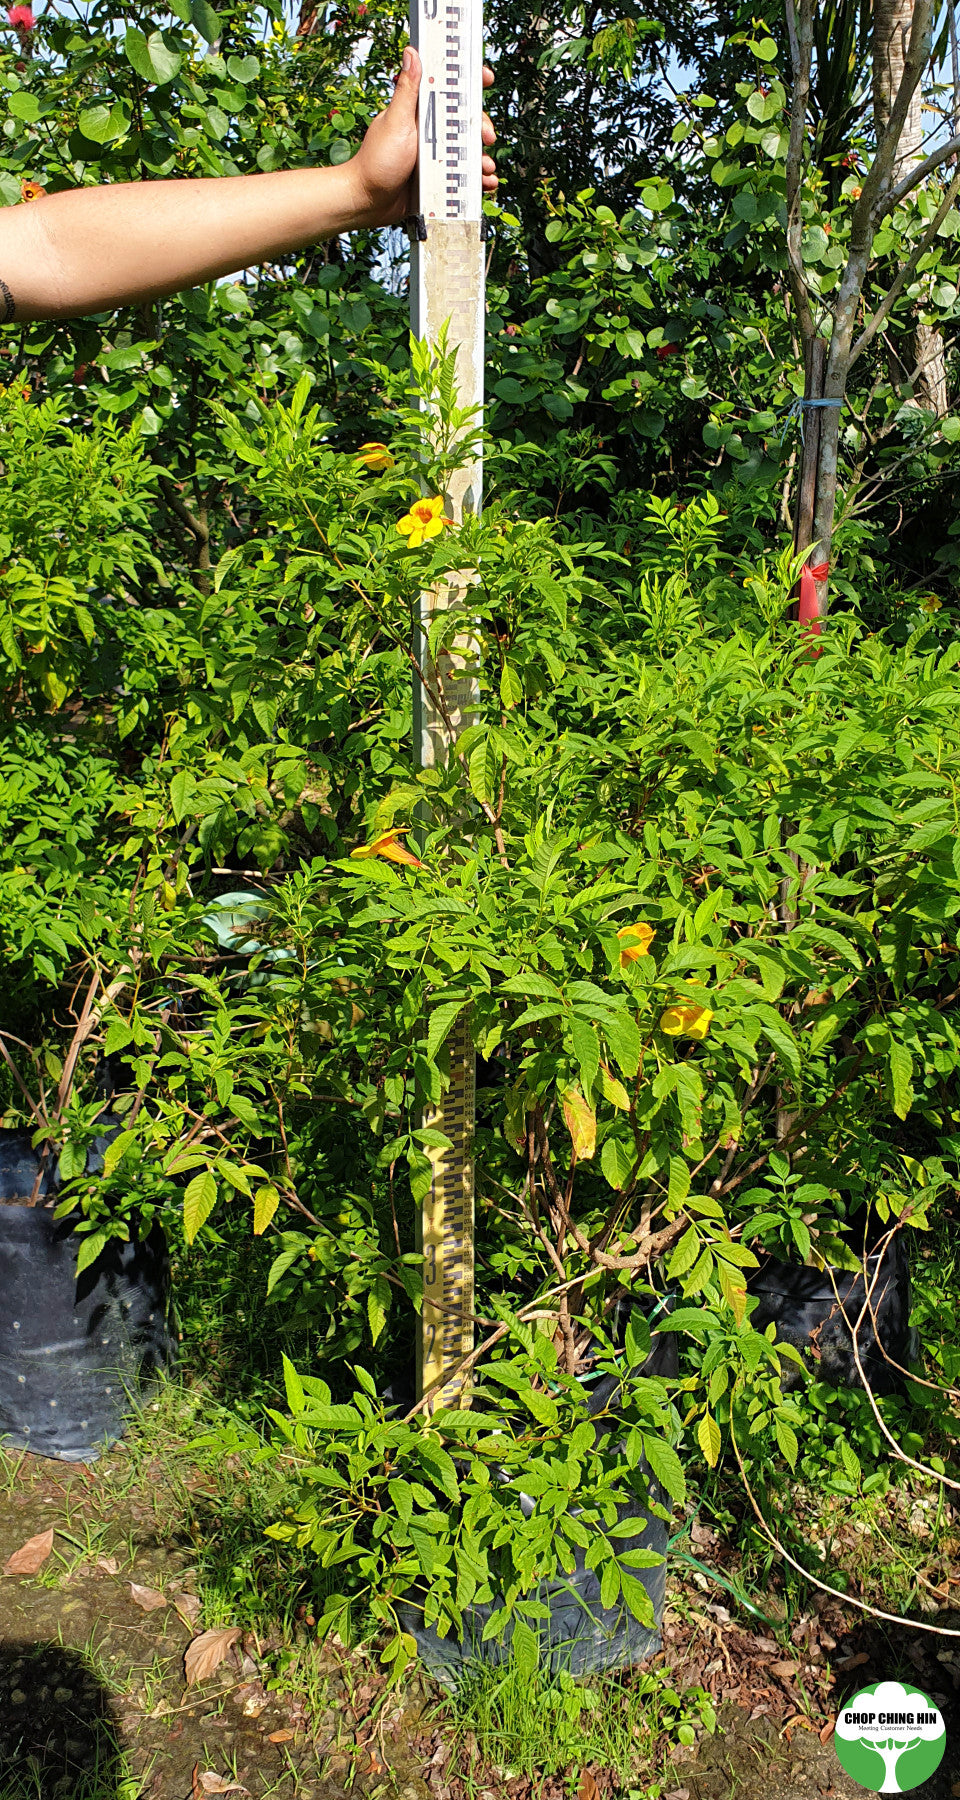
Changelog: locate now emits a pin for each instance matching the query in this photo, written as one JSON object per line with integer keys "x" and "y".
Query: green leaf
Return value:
{"x": 243, "y": 68}
{"x": 901, "y": 1071}
{"x": 511, "y": 687}
{"x": 526, "y": 1649}
{"x": 198, "y": 1203}
{"x": 637, "y": 1599}
{"x": 441, "y": 1021}
{"x": 708, "y": 1437}
{"x": 685, "y": 1253}
{"x": 483, "y": 769}
{"x": 586, "y": 1049}
{"x": 296, "y": 1398}
{"x": 205, "y": 20}
{"x": 617, "y": 1161}
{"x": 117, "y": 1150}
{"x": 90, "y": 1248}
{"x": 622, "y": 1035}
{"x": 401, "y": 1494}
{"x": 609, "y": 1584}
{"x": 24, "y": 106}
{"x": 787, "y": 1440}
{"x": 378, "y": 1306}
{"x": 666, "y": 1467}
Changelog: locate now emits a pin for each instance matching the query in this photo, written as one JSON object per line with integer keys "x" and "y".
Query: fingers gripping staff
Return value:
{"x": 447, "y": 287}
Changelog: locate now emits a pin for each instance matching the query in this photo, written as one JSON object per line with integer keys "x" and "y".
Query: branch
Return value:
{"x": 801, "y": 50}
{"x": 909, "y": 268}
{"x": 919, "y": 174}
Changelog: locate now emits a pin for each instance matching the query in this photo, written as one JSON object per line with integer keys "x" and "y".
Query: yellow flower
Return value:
{"x": 931, "y": 604}
{"x": 686, "y": 1021}
{"x": 635, "y": 941}
{"x": 376, "y": 456}
{"x": 389, "y": 846}
{"x": 424, "y": 520}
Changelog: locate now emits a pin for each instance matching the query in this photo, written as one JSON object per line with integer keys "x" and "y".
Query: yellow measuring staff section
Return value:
{"x": 447, "y": 1235}
{"x": 447, "y": 291}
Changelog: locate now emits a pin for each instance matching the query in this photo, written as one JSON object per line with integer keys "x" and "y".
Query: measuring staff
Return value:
{"x": 447, "y": 289}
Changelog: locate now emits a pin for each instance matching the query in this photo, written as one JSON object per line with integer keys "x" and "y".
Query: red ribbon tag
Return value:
{"x": 808, "y": 609}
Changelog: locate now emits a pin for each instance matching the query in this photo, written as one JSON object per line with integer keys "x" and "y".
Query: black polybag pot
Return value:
{"x": 820, "y": 1322}
{"x": 579, "y": 1635}
{"x": 74, "y": 1351}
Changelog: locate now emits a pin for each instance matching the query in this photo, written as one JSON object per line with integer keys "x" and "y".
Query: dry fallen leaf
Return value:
{"x": 207, "y": 1652}
{"x": 784, "y": 1669}
{"x": 210, "y": 1783}
{"x": 31, "y": 1556}
{"x": 826, "y": 1733}
{"x": 588, "y": 1789}
{"x": 149, "y": 1599}
{"x": 107, "y": 1565}
{"x": 280, "y": 1737}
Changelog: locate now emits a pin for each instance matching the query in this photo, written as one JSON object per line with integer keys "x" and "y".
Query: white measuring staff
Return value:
{"x": 447, "y": 287}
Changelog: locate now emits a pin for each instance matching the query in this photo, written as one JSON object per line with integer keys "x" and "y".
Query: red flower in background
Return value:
{"x": 665, "y": 350}
{"x": 21, "y": 18}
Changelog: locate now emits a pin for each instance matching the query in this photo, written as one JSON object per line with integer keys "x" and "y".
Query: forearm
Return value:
{"x": 70, "y": 254}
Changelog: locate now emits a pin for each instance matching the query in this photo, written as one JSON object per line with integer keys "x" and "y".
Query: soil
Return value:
{"x": 86, "y": 1672}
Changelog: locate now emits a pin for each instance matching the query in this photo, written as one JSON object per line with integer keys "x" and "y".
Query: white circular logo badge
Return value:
{"x": 890, "y": 1738}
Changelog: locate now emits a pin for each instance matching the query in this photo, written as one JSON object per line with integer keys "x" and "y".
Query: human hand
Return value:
{"x": 384, "y": 166}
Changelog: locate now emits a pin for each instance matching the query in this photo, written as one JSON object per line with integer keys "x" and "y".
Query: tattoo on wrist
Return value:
{"x": 8, "y": 305}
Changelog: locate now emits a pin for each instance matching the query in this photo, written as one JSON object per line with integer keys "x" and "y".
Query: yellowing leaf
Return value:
{"x": 265, "y": 1203}
{"x": 708, "y": 1437}
{"x": 199, "y": 1201}
{"x": 581, "y": 1123}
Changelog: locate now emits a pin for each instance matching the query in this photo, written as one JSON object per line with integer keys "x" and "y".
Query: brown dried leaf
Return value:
{"x": 148, "y": 1599}
{"x": 107, "y": 1565}
{"x": 588, "y": 1789}
{"x": 31, "y": 1556}
{"x": 211, "y": 1783}
{"x": 207, "y": 1652}
{"x": 280, "y": 1737}
{"x": 784, "y": 1669}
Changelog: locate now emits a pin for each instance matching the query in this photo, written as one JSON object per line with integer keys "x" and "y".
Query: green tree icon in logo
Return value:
{"x": 889, "y": 1738}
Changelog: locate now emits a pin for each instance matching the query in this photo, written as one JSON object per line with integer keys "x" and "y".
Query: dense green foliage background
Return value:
{"x": 205, "y": 630}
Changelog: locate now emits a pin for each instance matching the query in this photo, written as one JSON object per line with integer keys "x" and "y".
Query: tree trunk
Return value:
{"x": 892, "y": 21}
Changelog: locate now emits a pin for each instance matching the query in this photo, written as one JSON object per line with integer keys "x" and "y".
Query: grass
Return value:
{"x": 537, "y": 1723}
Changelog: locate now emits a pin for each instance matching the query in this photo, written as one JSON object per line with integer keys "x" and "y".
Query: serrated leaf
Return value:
{"x": 511, "y": 687}
{"x": 901, "y": 1070}
{"x": 199, "y": 1201}
{"x": 617, "y": 1161}
{"x": 378, "y": 1306}
{"x": 708, "y": 1437}
{"x": 117, "y": 1149}
{"x": 526, "y": 1649}
{"x": 787, "y": 1440}
{"x": 296, "y": 1399}
{"x": 441, "y": 1022}
{"x": 666, "y": 1466}
{"x": 581, "y": 1122}
{"x": 90, "y": 1248}
{"x": 586, "y": 1049}
{"x": 265, "y": 1203}
{"x": 685, "y": 1253}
